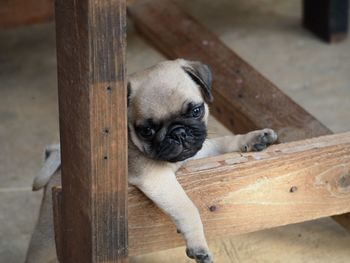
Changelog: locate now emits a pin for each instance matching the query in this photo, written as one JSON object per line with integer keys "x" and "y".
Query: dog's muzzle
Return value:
{"x": 181, "y": 142}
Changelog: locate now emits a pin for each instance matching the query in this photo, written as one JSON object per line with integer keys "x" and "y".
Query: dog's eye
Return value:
{"x": 197, "y": 112}
{"x": 146, "y": 132}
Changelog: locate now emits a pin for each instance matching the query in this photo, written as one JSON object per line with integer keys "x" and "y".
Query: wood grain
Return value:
{"x": 23, "y": 12}
{"x": 92, "y": 106}
{"x": 239, "y": 193}
{"x": 244, "y": 100}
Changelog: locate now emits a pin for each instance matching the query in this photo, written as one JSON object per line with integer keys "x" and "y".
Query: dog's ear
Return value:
{"x": 201, "y": 74}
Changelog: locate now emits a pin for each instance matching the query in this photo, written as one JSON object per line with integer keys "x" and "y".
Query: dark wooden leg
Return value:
{"x": 328, "y": 19}
{"x": 92, "y": 106}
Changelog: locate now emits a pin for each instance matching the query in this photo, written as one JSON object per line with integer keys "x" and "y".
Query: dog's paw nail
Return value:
{"x": 259, "y": 146}
{"x": 190, "y": 253}
{"x": 244, "y": 148}
{"x": 266, "y": 138}
{"x": 269, "y": 136}
{"x": 200, "y": 255}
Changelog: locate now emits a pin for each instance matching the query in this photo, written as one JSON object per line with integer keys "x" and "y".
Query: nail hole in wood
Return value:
{"x": 212, "y": 208}
{"x": 106, "y": 130}
{"x": 293, "y": 189}
{"x": 109, "y": 89}
{"x": 344, "y": 181}
{"x": 105, "y": 157}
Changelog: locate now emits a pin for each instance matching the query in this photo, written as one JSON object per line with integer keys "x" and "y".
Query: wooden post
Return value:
{"x": 93, "y": 131}
{"x": 328, "y": 19}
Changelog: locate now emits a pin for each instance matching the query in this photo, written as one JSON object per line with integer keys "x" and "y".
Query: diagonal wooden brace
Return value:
{"x": 244, "y": 100}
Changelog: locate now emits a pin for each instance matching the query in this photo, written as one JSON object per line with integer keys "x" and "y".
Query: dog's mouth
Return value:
{"x": 181, "y": 143}
{"x": 173, "y": 151}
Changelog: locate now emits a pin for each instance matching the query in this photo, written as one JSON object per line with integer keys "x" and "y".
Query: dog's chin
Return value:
{"x": 171, "y": 152}
{"x": 176, "y": 152}
{"x": 182, "y": 156}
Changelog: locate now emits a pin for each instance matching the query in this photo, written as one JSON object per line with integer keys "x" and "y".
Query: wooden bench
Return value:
{"x": 99, "y": 218}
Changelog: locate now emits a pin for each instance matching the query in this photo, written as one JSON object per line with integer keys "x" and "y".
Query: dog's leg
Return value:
{"x": 252, "y": 141}
{"x": 162, "y": 187}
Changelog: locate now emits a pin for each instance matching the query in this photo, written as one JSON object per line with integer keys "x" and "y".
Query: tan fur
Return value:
{"x": 158, "y": 92}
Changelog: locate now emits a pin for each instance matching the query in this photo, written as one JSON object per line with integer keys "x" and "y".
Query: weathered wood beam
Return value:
{"x": 244, "y": 100}
{"x": 93, "y": 131}
{"x": 239, "y": 193}
{"x": 328, "y": 19}
{"x": 21, "y": 12}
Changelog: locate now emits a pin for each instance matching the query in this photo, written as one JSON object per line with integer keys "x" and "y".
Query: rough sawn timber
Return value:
{"x": 238, "y": 193}
{"x": 91, "y": 42}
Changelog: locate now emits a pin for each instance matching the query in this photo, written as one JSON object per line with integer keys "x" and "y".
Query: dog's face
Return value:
{"x": 167, "y": 109}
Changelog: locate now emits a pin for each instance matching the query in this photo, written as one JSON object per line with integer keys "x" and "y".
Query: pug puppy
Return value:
{"x": 167, "y": 123}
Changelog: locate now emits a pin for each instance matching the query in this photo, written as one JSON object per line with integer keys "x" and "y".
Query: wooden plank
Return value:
{"x": 244, "y": 100}
{"x": 21, "y": 12}
{"x": 239, "y": 193}
{"x": 328, "y": 19}
{"x": 93, "y": 130}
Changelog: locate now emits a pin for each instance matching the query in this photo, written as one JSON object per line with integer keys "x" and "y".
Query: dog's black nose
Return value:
{"x": 178, "y": 132}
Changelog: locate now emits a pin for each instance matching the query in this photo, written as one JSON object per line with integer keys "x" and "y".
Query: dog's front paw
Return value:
{"x": 258, "y": 140}
{"x": 201, "y": 255}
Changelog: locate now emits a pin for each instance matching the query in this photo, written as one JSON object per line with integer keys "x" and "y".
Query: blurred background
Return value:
{"x": 266, "y": 33}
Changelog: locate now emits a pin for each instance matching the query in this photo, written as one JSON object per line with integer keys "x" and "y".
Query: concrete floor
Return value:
{"x": 266, "y": 33}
